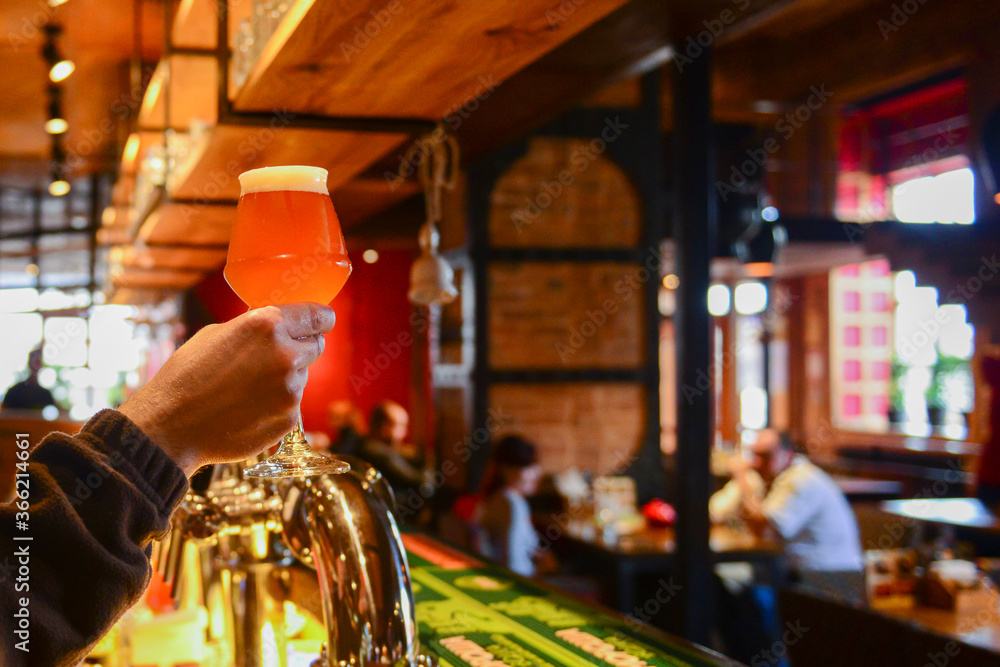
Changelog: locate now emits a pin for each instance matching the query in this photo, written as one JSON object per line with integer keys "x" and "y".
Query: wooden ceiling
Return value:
{"x": 622, "y": 38}
{"x": 98, "y": 38}
{"x": 770, "y": 53}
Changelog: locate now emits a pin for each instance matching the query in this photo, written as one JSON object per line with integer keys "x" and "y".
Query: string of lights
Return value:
{"x": 60, "y": 68}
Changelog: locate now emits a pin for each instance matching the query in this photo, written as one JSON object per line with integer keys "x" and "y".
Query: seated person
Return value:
{"x": 347, "y": 427}
{"x": 387, "y": 427}
{"x": 503, "y": 519}
{"x": 778, "y": 491}
{"x": 28, "y": 394}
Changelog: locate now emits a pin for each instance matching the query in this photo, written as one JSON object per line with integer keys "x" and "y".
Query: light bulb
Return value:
{"x": 58, "y": 188}
{"x": 61, "y": 70}
{"x": 56, "y": 125}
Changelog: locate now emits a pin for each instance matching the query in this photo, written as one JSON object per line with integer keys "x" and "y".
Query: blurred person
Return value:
{"x": 347, "y": 427}
{"x": 988, "y": 475}
{"x": 388, "y": 425}
{"x": 779, "y": 492}
{"x": 98, "y": 499}
{"x": 505, "y": 532}
{"x": 28, "y": 394}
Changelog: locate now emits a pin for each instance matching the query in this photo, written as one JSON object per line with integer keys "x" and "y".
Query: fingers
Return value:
{"x": 307, "y": 319}
{"x": 306, "y": 350}
{"x": 295, "y": 383}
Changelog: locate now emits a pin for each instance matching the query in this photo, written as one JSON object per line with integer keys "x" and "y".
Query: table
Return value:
{"x": 968, "y": 513}
{"x": 651, "y": 550}
{"x": 470, "y": 612}
{"x": 863, "y": 488}
{"x": 975, "y": 619}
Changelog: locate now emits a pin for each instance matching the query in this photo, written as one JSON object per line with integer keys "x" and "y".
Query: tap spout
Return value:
{"x": 343, "y": 526}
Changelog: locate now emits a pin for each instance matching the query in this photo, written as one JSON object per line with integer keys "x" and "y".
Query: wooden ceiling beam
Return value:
{"x": 856, "y": 56}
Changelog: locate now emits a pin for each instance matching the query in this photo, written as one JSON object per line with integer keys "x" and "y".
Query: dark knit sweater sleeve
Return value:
{"x": 95, "y": 501}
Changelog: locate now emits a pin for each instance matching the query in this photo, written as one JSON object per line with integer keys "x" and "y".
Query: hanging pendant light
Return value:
{"x": 432, "y": 279}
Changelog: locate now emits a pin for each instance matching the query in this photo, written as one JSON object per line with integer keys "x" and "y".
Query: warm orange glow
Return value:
{"x": 131, "y": 148}
{"x": 286, "y": 247}
{"x": 997, "y": 198}
{"x": 671, "y": 281}
{"x": 759, "y": 269}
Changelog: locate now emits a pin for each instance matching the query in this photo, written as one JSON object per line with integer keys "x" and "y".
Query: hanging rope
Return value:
{"x": 438, "y": 169}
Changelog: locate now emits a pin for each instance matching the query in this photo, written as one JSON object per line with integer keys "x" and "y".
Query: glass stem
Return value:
{"x": 294, "y": 442}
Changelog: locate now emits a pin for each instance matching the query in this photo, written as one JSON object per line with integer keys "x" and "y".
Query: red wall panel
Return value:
{"x": 364, "y": 361}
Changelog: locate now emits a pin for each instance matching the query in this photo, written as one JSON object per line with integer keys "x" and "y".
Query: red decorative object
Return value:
{"x": 659, "y": 513}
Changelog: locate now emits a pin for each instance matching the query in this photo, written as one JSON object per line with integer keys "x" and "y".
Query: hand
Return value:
{"x": 234, "y": 388}
{"x": 738, "y": 466}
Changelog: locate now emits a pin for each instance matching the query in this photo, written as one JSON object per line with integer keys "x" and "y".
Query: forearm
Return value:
{"x": 73, "y": 545}
{"x": 751, "y": 505}
{"x": 403, "y": 470}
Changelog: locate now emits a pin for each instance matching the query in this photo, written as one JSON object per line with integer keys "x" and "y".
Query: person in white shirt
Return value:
{"x": 505, "y": 532}
{"x": 777, "y": 491}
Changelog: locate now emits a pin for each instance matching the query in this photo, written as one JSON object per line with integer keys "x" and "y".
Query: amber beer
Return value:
{"x": 286, "y": 244}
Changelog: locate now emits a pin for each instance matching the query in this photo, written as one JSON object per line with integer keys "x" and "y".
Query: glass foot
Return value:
{"x": 295, "y": 458}
{"x": 299, "y": 465}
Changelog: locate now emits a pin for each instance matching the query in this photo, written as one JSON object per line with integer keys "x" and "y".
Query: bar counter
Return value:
{"x": 471, "y": 612}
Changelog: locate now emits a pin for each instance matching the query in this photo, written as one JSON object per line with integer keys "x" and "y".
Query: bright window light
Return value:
{"x": 957, "y": 337}
{"x": 23, "y": 300}
{"x": 753, "y": 408}
{"x": 47, "y": 377}
{"x": 54, "y": 299}
{"x": 81, "y": 411}
{"x": 903, "y": 283}
{"x": 65, "y": 341}
{"x": 22, "y": 333}
{"x": 947, "y": 198}
{"x": 916, "y": 329}
{"x": 718, "y": 300}
{"x": 112, "y": 346}
{"x": 750, "y": 298}
{"x": 81, "y": 378}
{"x": 104, "y": 378}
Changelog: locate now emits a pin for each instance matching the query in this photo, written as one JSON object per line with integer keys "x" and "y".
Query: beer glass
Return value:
{"x": 287, "y": 247}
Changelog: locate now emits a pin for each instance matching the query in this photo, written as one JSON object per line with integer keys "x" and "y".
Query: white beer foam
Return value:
{"x": 296, "y": 178}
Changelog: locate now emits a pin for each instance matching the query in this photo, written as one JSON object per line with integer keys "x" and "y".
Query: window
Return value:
{"x": 861, "y": 331}
{"x": 932, "y": 383}
{"x": 91, "y": 353}
{"x": 898, "y": 358}
{"x": 947, "y": 198}
{"x": 905, "y": 157}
